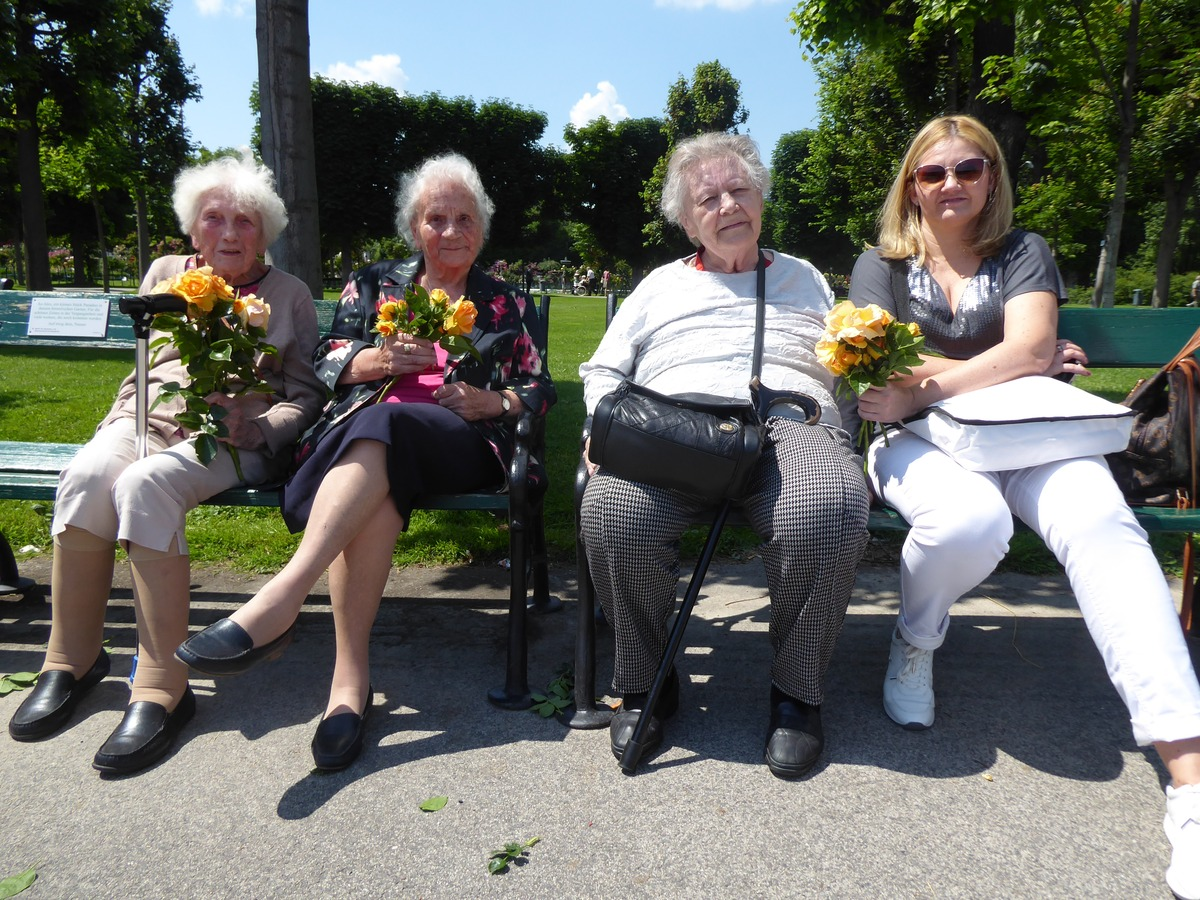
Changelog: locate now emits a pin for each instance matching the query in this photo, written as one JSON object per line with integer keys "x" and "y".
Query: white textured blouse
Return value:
{"x": 688, "y": 331}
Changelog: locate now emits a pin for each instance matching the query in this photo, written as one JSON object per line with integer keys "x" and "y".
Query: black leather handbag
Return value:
{"x": 696, "y": 443}
{"x": 691, "y": 442}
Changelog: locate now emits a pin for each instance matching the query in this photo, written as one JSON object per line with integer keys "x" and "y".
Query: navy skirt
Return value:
{"x": 431, "y": 450}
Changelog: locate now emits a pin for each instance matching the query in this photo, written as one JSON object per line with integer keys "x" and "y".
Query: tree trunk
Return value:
{"x": 1176, "y": 192}
{"x": 33, "y": 209}
{"x": 143, "y": 230}
{"x": 1103, "y": 293}
{"x": 347, "y": 259}
{"x": 100, "y": 242}
{"x": 286, "y": 125}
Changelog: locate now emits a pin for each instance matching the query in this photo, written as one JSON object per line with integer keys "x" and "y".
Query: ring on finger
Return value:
{"x": 407, "y": 349}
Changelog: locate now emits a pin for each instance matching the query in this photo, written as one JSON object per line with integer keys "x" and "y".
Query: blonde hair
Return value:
{"x": 900, "y": 218}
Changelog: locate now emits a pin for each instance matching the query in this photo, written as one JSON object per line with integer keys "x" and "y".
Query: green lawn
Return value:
{"x": 60, "y": 395}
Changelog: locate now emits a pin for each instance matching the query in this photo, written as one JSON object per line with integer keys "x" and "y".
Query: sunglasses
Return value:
{"x": 966, "y": 171}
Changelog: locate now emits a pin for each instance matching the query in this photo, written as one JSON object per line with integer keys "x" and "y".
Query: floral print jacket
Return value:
{"x": 504, "y": 335}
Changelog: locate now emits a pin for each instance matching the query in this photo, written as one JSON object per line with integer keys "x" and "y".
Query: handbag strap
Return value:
{"x": 1189, "y": 348}
{"x": 759, "y": 315}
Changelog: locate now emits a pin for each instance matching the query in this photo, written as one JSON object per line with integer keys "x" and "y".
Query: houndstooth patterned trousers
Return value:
{"x": 808, "y": 501}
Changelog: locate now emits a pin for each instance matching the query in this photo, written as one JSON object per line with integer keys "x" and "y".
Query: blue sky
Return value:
{"x": 572, "y": 61}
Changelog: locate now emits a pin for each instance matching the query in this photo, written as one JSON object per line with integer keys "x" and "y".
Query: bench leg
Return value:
{"x": 515, "y": 692}
{"x": 586, "y": 713}
{"x": 11, "y": 581}
{"x": 539, "y": 569}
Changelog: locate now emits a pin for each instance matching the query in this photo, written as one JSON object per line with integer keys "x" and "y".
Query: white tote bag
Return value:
{"x": 1024, "y": 422}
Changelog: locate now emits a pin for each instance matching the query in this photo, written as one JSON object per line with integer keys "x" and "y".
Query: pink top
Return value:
{"x": 418, "y": 387}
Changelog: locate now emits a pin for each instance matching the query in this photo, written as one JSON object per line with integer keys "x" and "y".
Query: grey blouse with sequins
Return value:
{"x": 1024, "y": 265}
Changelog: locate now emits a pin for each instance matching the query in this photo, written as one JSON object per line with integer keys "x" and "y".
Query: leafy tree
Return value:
{"x": 356, "y": 179}
{"x": 611, "y": 163}
{"x": 710, "y": 102}
{"x": 791, "y": 215}
{"x": 62, "y": 49}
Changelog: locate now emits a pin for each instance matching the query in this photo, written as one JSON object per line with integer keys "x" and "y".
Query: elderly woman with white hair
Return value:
{"x": 436, "y": 423}
{"x": 107, "y": 495}
{"x": 690, "y": 327}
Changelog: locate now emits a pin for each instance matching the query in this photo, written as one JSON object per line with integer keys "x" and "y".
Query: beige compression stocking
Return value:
{"x": 161, "y": 599}
{"x": 80, "y": 582}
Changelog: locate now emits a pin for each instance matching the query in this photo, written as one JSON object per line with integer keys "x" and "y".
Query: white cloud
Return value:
{"x": 235, "y": 8}
{"x": 727, "y": 5}
{"x": 382, "y": 68}
{"x": 602, "y": 103}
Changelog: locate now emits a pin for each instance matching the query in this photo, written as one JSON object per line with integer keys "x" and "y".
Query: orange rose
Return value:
{"x": 460, "y": 317}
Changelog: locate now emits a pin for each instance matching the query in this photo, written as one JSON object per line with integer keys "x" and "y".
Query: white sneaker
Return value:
{"x": 908, "y": 687}
{"x": 1182, "y": 824}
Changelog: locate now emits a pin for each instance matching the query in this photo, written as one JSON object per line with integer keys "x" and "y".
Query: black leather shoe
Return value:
{"x": 620, "y": 728}
{"x": 145, "y": 735}
{"x": 52, "y": 700}
{"x": 795, "y": 738}
{"x": 224, "y": 648}
{"x": 339, "y": 738}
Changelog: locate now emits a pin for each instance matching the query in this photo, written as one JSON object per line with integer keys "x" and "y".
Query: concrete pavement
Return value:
{"x": 1029, "y": 784}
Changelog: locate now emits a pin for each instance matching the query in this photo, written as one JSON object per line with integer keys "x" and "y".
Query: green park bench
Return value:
{"x": 29, "y": 471}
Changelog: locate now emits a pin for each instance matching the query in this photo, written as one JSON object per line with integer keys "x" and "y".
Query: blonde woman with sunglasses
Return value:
{"x": 986, "y": 296}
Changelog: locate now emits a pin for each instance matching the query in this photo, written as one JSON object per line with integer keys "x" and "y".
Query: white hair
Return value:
{"x": 449, "y": 168}
{"x": 251, "y": 186}
{"x": 690, "y": 154}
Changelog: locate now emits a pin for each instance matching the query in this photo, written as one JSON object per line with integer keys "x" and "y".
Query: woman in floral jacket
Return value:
{"x": 405, "y": 414}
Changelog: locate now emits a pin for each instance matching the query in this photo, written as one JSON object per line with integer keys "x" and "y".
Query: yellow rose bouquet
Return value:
{"x": 218, "y": 339}
{"x": 430, "y": 316}
{"x": 865, "y": 347}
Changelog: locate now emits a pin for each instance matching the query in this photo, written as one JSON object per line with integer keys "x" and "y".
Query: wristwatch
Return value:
{"x": 504, "y": 403}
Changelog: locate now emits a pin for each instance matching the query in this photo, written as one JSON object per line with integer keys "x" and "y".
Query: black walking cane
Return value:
{"x": 633, "y": 749}
{"x": 141, "y": 310}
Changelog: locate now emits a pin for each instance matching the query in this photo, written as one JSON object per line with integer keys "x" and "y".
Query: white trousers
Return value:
{"x": 107, "y": 490}
{"x": 961, "y": 523}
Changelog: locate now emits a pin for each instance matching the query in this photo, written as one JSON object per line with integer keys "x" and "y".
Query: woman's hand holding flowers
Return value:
{"x": 403, "y": 354}
{"x": 893, "y": 402}
{"x": 241, "y": 413}
{"x": 866, "y": 348}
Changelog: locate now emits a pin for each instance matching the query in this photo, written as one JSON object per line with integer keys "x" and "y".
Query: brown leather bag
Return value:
{"x": 1159, "y": 467}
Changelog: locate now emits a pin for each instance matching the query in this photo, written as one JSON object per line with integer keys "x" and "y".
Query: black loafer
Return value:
{"x": 795, "y": 738}
{"x": 145, "y": 735}
{"x": 620, "y": 728}
{"x": 224, "y": 648}
{"x": 339, "y": 738}
{"x": 52, "y": 700}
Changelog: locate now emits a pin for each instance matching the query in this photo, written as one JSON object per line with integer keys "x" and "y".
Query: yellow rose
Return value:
{"x": 460, "y": 317}
{"x": 386, "y": 327}
{"x": 440, "y": 298}
{"x": 391, "y": 311}
{"x": 868, "y": 323}
{"x": 913, "y": 328}
{"x": 201, "y": 288}
{"x": 827, "y": 354}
